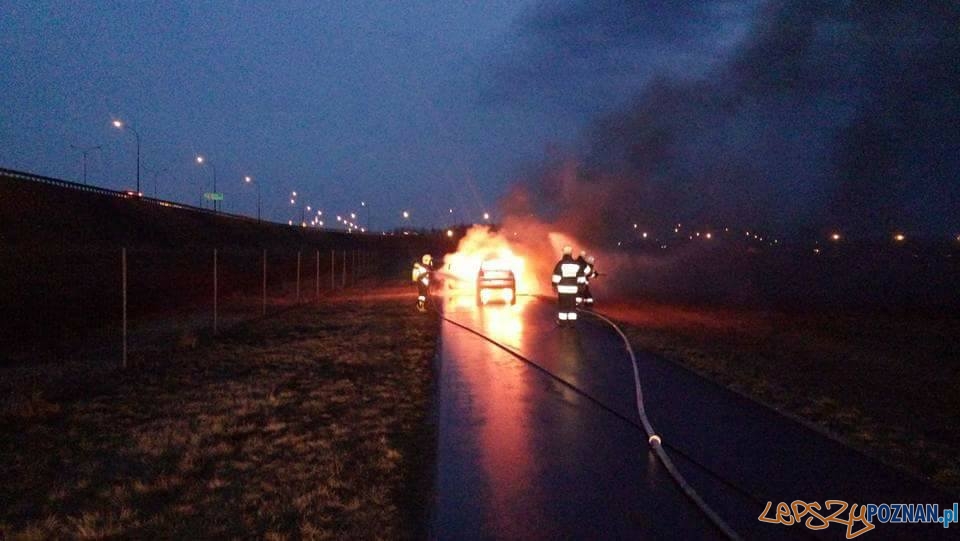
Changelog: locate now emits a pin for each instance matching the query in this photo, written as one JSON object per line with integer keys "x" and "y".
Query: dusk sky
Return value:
{"x": 341, "y": 101}
{"x": 789, "y": 114}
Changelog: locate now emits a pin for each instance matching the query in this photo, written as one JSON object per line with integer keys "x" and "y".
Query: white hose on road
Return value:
{"x": 653, "y": 438}
{"x": 656, "y": 442}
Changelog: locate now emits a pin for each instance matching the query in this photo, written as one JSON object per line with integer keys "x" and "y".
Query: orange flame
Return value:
{"x": 526, "y": 247}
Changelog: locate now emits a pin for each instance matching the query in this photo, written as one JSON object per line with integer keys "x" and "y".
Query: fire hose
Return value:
{"x": 653, "y": 439}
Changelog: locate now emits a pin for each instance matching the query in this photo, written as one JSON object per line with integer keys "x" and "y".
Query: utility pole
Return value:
{"x": 84, "y": 151}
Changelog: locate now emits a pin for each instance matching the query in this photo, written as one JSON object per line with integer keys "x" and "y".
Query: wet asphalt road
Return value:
{"x": 520, "y": 456}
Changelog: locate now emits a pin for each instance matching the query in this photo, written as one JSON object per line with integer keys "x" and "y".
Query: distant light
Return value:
{"x": 899, "y": 237}
{"x": 339, "y": 219}
{"x": 406, "y": 214}
{"x": 247, "y": 179}
{"x": 117, "y": 124}
{"x": 486, "y": 215}
{"x": 709, "y": 235}
{"x": 294, "y": 194}
{"x": 363, "y": 229}
{"x": 293, "y": 201}
{"x": 363, "y": 203}
{"x": 289, "y": 222}
{"x": 676, "y": 229}
{"x": 308, "y": 208}
{"x": 835, "y": 237}
{"x": 319, "y": 212}
{"x": 320, "y": 223}
{"x": 449, "y": 232}
{"x": 199, "y": 159}
{"x": 644, "y": 234}
{"x": 816, "y": 250}
{"x": 726, "y": 229}
{"x": 635, "y": 226}
{"x": 698, "y": 233}
{"x": 353, "y": 216}
{"x": 747, "y": 233}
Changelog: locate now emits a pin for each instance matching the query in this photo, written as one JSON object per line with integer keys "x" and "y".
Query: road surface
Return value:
{"x": 521, "y": 456}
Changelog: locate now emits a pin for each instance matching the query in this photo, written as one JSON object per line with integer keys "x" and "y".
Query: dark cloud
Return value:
{"x": 794, "y": 114}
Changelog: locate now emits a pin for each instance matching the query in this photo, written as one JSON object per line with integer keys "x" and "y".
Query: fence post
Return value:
{"x": 318, "y": 275}
{"x": 343, "y": 280}
{"x": 123, "y": 267}
{"x": 298, "y": 276}
{"x": 264, "y": 309}
{"x": 333, "y": 270}
{"x": 214, "y": 291}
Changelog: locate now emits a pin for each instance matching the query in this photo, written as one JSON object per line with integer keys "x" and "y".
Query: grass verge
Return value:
{"x": 311, "y": 424}
{"x": 888, "y": 385}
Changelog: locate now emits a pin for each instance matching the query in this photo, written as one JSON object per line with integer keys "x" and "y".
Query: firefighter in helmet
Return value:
{"x": 421, "y": 275}
{"x": 589, "y": 273}
{"x": 582, "y": 261}
{"x": 566, "y": 280}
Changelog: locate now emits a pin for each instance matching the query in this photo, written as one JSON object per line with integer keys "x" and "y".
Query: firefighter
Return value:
{"x": 582, "y": 261}
{"x": 421, "y": 275}
{"x": 589, "y": 273}
{"x": 566, "y": 280}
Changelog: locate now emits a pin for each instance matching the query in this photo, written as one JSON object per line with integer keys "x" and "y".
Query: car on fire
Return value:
{"x": 496, "y": 282}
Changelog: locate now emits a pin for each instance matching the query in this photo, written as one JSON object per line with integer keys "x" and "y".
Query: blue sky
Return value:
{"x": 341, "y": 101}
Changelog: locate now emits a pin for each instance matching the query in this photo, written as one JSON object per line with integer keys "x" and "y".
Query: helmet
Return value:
{"x": 591, "y": 259}
{"x": 426, "y": 259}
{"x": 567, "y": 250}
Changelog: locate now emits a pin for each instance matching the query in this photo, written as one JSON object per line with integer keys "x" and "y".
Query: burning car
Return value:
{"x": 496, "y": 282}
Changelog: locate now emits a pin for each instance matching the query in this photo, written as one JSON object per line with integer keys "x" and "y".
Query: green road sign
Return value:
{"x": 213, "y": 196}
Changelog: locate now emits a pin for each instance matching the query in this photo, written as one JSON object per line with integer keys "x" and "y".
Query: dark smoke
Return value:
{"x": 792, "y": 116}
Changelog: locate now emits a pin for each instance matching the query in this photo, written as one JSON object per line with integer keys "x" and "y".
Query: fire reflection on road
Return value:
{"x": 501, "y": 397}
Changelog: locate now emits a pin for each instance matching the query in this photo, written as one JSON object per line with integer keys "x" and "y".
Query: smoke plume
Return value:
{"x": 793, "y": 116}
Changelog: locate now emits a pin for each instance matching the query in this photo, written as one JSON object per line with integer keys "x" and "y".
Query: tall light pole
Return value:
{"x": 249, "y": 180}
{"x": 85, "y": 151}
{"x": 366, "y": 206}
{"x": 202, "y": 161}
{"x": 119, "y": 124}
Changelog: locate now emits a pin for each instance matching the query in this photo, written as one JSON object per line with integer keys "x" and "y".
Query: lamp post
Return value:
{"x": 366, "y": 206}
{"x": 119, "y": 124}
{"x": 249, "y": 180}
{"x": 85, "y": 151}
{"x": 202, "y": 161}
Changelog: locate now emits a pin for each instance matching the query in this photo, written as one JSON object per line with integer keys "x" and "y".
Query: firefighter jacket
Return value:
{"x": 568, "y": 276}
{"x": 420, "y": 274}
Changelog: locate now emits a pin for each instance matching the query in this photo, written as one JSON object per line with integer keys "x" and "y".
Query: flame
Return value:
{"x": 526, "y": 247}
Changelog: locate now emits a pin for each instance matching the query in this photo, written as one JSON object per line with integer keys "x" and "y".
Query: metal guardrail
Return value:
{"x": 30, "y": 177}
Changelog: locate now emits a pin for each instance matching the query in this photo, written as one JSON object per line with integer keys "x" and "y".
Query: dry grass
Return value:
{"x": 887, "y": 385}
{"x": 311, "y": 424}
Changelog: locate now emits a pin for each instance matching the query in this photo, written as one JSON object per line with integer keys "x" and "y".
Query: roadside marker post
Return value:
{"x": 264, "y": 308}
{"x": 214, "y": 291}
{"x": 123, "y": 271}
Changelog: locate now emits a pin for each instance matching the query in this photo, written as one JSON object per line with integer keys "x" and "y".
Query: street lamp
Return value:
{"x": 85, "y": 151}
{"x": 202, "y": 161}
{"x": 249, "y": 180}
{"x": 486, "y": 216}
{"x": 119, "y": 124}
